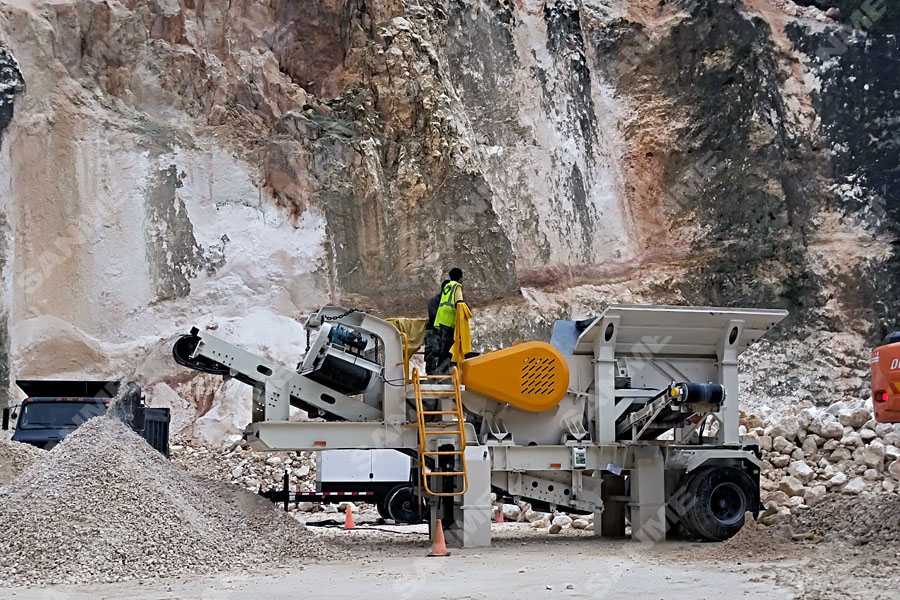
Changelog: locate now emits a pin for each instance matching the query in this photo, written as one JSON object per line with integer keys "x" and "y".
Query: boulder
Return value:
{"x": 791, "y": 486}
{"x": 855, "y": 486}
{"x": 533, "y": 516}
{"x": 840, "y": 454}
{"x": 580, "y": 524}
{"x": 854, "y": 417}
{"x": 832, "y": 430}
{"x": 891, "y": 452}
{"x": 867, "y": 435}
{"x": 541, "y": 523}
{"x": 751, "y": 421}
{"x": 873, "y": 456}
{"x": 811, "y": 444}
{"x": 780, "y": 444}
{"x": 777, "y": 497}
{"x": 556, "y": 528}
{"x": 852, "y": 440}
{"x": 883, "y": 429}
{"x": 871, "y": 475}
{"x": 889, "y": 485}
{"x": 273, "y": 461}
{"x": 765, "y": 442}
{"x": 894, "y": 469}
{"x": 802, "y": 471}
{"x": 511, "y": 512}
{"x": 780, "y": 461}
{"x": 787, "y": 427}
{"x": 837, "y": 480}
{"x": 813, "y": 495}
{"x": 562, "y": 520}
{"x": 797, "y": 454}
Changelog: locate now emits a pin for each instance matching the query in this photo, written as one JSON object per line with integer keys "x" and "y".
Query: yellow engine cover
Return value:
{"x": 533, "y": 376}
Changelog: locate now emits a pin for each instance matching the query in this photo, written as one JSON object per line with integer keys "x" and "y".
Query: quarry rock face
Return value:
{"x": 181, "y": 163}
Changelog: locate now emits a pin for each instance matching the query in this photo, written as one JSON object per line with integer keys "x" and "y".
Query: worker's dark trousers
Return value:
{"x": 432, "y": 350}
{"x": 445, "y": 362}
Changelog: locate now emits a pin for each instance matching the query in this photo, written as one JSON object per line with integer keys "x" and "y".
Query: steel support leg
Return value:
{"x": 472, "y": 511}
{"x": 648, "y": 495}
{"x": 611, "y": 523}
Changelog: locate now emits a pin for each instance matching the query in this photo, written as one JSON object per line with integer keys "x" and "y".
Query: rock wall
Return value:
{"x": 184, "y": 162}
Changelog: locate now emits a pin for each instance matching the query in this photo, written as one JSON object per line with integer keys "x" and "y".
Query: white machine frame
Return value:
{"x": 584, "y": 470}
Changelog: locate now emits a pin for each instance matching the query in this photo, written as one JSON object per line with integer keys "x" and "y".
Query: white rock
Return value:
{"x": 894, "y": 469}
{"x": 813, "y": 495}
{"x": 883, "y": 429}
{"x": 791, "y": 486}
{"x": 780, "y": 444}
{"x": 852, "y": 440}
{"x": 273, "y": 460}
{"x": 840, "y": 454}
{"x": 237, "y": 472}
{"x": 839, "y": 479}
{"x": 563, "y": 520}
{"x": 797, "y": 454}
{"x": 811, "y": 444}
{"x": 787, "y": 427}
{"x": 302, "y": 471}
{"x": 867, "y": 435}
{"x": 765, "y": 442}
{"x": 511, "y": 512}
{"x": 802, "y": 471}
{"x": 832, "y": 430}
{"x": 855, "y": 486}
{"x": 889, "y": 485}
{"x": 232, "y": 442}
{"x": 533, "y": 516}
{"x": 891, "y": 452}
{"x": 835, "y": 408}
{"x": 870, "y": 475}
{"x": 873, "y": 456}
{"x": 580, "y": 524}
{"x": 780, "y": 460}
{"x": 854, "y": 417}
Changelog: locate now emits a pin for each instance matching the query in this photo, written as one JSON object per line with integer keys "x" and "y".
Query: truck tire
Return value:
{"x": 402, "y": 505}
{"x": 716, "y": 499}
{"x": 382, "y": 508}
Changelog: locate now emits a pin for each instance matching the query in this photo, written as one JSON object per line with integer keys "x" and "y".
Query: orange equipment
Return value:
{"x": 533, "y": 376}
{"x": 886, "y": 380}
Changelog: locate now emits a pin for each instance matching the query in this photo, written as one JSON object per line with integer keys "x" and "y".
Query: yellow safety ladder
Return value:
{"x": 447, "y": 429}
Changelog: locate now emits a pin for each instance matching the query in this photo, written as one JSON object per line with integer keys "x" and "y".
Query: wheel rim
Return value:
{"x": 727, "y": 503}
{"x": 404, "y": 507}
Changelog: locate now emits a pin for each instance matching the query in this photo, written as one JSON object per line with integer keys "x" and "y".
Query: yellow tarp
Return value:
{"x": 414, "y": 330}
{"x": 462, "y": 337}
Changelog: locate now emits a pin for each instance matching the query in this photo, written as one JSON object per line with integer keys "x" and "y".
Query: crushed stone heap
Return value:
{"x": 15, "y": 457}
{"x": 866, "y": 519}
{"x": 104, "y": 506}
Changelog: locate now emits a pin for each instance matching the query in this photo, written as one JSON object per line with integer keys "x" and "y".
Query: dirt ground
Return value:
{"x": 390, "y": 562}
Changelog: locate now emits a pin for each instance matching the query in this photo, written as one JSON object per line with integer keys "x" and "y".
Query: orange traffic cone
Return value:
{"x": 499, "y": 514}
{"x": 438, "y": 545}
{"x": 348, "y": 518}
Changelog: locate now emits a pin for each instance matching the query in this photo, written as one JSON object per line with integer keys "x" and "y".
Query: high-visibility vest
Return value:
{"x": 446, "y": 314}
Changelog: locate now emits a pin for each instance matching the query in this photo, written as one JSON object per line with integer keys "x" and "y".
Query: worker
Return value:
{"x": 432, "y": 333}
{"x": 445, "y": 320}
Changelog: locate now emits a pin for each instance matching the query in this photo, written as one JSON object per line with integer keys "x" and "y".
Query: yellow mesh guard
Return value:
{"x": 533, "y": 376}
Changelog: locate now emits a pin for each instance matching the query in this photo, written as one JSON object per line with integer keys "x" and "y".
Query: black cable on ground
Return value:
{"x": 369, "y": 525}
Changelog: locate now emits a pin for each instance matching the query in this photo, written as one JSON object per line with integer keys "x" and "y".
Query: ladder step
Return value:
{"x": 439, "y": 412}
{"x": 444, "y": 452}
{"x": 443, "y": 473}
{"x": 441, "y": 431}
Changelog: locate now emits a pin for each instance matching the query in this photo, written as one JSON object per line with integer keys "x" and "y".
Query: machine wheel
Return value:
{"x": 402, "y": 505}
{"x": 382, "y": 508}
{"x": 717, "y": 498}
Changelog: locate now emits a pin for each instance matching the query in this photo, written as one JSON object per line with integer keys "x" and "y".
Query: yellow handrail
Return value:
{"x": 443, "y": 428}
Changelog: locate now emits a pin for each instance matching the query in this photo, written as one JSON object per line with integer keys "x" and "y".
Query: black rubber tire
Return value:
{"x": 382, "y": 508}
{"x": 717, "y": 498}
{"x": 402, "y": 505}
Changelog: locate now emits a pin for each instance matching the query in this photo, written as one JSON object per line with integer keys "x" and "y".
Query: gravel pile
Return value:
{"x": 105, "y": 506}
{"x": 15, "y": 458}
{"x": 872, "y": 519}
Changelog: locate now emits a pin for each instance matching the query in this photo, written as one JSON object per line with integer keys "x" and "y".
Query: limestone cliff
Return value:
{"x": 184, "y": 162}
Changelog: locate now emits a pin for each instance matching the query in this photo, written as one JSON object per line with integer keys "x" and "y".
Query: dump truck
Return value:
{"x": 886, "y": 379}
{"x": 632, "y": 414}
{"x": 53, "y": 409}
